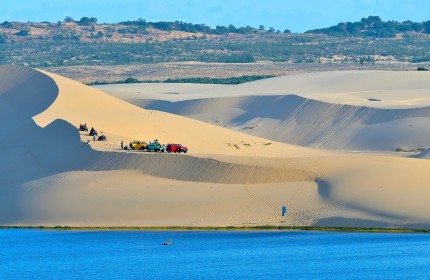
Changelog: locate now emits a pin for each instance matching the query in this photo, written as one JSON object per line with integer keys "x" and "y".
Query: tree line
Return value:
{"x": 199, "y": 80}
{"x": 373, "y": 26}
{"x": 195, "y": 28}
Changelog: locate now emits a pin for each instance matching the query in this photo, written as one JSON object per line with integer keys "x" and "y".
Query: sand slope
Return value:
{"x": 78, "y": 103}
{"x": 332, "y": 110}
{"x": 51, "y": 176}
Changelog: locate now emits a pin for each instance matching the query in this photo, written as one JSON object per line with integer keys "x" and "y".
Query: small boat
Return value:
{"x": 170, "y": 242}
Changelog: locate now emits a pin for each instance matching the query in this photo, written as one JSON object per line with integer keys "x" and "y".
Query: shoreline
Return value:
{"x": 229, "y": 228}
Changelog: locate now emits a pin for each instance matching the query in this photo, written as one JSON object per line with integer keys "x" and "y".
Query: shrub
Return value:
{"x": 7, "y": 24}
{"x": 3, "y": 38}
{"x": 23, "y": 33}
{"x": 131, "y": 81}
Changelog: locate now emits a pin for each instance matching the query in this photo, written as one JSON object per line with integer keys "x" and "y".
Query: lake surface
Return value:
{"x": 48, "y": 254}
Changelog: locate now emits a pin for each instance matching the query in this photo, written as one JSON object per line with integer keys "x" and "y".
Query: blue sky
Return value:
{"x": 296, "y": 15}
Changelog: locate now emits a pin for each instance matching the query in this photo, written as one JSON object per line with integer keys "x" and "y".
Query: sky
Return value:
{"x": 295, "y": 15}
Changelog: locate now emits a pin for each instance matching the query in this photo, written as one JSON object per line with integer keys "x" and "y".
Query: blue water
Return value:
{"x": 38, "y": 254}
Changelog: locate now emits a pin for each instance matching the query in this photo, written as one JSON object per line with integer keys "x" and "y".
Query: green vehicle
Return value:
{"x": 155, "y": 147}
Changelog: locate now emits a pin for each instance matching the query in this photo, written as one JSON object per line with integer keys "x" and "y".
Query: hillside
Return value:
{"x": 86, "y": 42}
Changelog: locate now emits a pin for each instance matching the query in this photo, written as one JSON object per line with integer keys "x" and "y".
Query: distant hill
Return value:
{"x": 86, "y": 42}
{"x": 373, "y": 26}
{"x": 88, "y": 30}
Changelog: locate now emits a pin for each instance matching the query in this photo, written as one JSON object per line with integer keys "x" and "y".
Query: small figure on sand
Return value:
{"x": 122, "y": 145}
{"x": 83, "y": 127}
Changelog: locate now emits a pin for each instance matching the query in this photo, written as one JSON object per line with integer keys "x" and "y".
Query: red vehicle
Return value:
{"x": 176, "y": 148}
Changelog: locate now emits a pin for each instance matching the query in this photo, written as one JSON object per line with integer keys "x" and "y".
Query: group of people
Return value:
{"x": 93, "y": 133}
{"x": 83, "y": 127}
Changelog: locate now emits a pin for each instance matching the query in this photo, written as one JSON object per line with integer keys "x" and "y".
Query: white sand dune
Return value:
{"x": 51, "y": 176}
{"x": 306, "y": 122}
{"x": 332, "y": 110}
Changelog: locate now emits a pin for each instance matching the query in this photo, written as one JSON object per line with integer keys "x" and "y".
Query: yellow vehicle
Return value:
{"x": 138, "y": 145}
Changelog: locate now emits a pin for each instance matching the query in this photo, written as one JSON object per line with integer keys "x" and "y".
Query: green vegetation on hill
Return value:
{"x": 373, "y": 26}
{"x": 308, "y": 48}
{"x": 189, "y": 27}
{"x": 86, "y": 21}
{"x": 3, "y": 38}
{"x": 23, "y": 33}
{"x": 6, "y": 24}
{"x": 225, "y": 81}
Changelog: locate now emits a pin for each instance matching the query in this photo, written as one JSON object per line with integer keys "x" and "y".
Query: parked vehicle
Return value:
{"x": 155, "y": 147}
{"x": 83, "y": 127}
{"x": 138, "y": 145}
{"x": 93, "y": 132}
{"x": 176, "y": 148}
